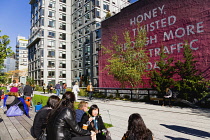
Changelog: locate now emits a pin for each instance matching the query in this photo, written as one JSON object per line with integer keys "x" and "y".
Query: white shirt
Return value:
{"x": 75, "y": 89}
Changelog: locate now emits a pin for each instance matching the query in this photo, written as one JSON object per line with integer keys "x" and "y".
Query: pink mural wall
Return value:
{"x": 169, "y": 23}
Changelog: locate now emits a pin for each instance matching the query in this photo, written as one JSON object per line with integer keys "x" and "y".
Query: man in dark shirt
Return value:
{"x": 28, "y": 93}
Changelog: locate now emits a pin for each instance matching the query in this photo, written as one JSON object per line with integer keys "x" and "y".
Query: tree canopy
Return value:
{"x": 162, "y": 78}
{"x": 128, "y": 64}
{"x": 5, "y": 51}
{"x": 190, "y": 84}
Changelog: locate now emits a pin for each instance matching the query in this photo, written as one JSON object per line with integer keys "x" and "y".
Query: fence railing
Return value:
{"x": 134, "y": 93}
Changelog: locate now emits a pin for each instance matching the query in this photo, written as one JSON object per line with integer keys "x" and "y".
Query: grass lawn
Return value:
{"x": 43, "y": 100}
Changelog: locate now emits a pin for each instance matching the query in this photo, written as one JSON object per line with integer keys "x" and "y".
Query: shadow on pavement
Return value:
{"x": 202, "y": 111}
{"x": 1, "y": 120}
{"x": 187, "y": 130}
{"x": 174, "y": 138}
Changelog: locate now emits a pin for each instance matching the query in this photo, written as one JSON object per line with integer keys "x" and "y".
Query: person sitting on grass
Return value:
{"x": 61, "y": 123}
{"x": 94, "y": 122}
{"x": 82, "y": 109}
{"x": 41, "y": 117}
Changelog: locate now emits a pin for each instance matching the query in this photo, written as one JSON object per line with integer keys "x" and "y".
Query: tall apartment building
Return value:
{"x": 21, "y": 54}
{"x": 64, "y": 39}
{"x": 9, "y": 64}
{"x": 86, "y": 36}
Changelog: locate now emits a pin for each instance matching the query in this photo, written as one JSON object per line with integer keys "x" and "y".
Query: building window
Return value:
{"x": 62, "y": 55}
{"x": 51, "y": 14}
{"x": 62, "y": 45}
{"x": 79, "y": 4}
{"x": 87, "y": 17}
{"x": 98, "y": 33}
{"x": 62, "y": 64}
{"x": 80, "y": 33}
{"x": 87, "y": 7}
{"x": 79, "y": 22}
{"x": 51, "y": 74}
{"x": 98, "y": 3}
{"x": 98, "y": 24}
{"x": 87, "y": 50}
{"x": 62, "y": 26}
{"x": 62, "y": 36}
{"x": 51, "y": 43}
{"x": 63, "y": 17}
{"x": 74, "y": 25}
{"x": 41, "y": 12}
{"x": 79, "y": 13}
{"x": 51, "y": 4}
{"x": 62, "y": 8}
{"x": 51, "y": 23}
{"x": 42, "y": 21}
{"x": 62, "y": 74}
{"x": 64, "y": 1}
{"x": 80, "y": 41}
{"x": 106, "y": 6}
{"x": 87, "y": 29}
{"x": 51, "y": 34}
{"x": 51, "y": 64}
{"x": 97, "y": 13}
{"x": 87, "y": 39}
{"x": 74, "y": 16}
{"x": 51, "y": 53}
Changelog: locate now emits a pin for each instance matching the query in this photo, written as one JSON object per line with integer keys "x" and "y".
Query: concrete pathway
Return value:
{"x": 165, "y": 122}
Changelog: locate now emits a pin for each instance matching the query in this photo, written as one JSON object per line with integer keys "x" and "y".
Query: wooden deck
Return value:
{"x": 16, "y": 128}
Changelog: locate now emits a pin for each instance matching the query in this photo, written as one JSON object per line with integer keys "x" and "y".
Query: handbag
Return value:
{"x": 14, "y": 111}
{"x": 106, "y": 134}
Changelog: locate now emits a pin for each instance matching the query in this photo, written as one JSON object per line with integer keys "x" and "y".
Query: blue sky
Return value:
{"x": 15, "y": 19}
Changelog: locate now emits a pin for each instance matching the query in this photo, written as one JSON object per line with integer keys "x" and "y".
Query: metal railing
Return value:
{"x": 133, "y": 93}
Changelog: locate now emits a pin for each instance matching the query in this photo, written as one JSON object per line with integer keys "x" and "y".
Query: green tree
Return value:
{"x": 128, "y": 64}
{"x": 192, "y": 84}
{"x": 30, "y": 81}
{"x": 3, "y": 77}
{"x": 5, "y": 51}
{"x": 162, "y": 77}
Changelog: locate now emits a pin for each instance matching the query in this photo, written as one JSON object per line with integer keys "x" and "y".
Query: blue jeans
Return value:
{"x": 58, "y": 92}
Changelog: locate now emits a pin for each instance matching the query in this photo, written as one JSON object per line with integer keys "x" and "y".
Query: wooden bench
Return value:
{"x": 16, "y": 128}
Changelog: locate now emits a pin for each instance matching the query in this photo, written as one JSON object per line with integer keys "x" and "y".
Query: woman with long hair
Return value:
{"x": 137, "y": 130}
{"x": 41, "y": 116}
{"x": 62, "y": 124}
